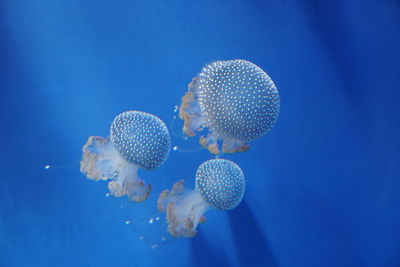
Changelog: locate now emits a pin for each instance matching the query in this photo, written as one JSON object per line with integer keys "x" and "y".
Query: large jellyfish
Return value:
{"x": 236, "y": 100}
{"x": 220, "y": 184}
{"x": 137, "y": 140}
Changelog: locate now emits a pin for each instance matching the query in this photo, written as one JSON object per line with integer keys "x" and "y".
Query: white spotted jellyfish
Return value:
{"x": 235, "y": 100}
{"x": 137, "y": 140}
{"x": 220, "y": 185}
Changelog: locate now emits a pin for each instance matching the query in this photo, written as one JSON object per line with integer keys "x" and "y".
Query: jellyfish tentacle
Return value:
{"x": 190, "y": 110}
{"x": 100, "y": 161}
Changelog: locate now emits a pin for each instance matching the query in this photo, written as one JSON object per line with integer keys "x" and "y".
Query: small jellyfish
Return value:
{"x": 235, "y": 100}
{"x": 220, "y": 184}
{"x": 137, "y": 140}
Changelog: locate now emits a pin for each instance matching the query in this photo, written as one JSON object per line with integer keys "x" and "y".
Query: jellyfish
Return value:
{"x": 220, "y": 185}
{"x": 138, "y": 140}
{"x": 235, "y": 100}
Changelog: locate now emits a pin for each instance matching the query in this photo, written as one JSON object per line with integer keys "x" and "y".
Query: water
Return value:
{"x": 322, "y": 186}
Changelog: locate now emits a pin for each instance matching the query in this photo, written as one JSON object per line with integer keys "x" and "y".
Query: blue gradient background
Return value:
{"x": 323, "y": 186}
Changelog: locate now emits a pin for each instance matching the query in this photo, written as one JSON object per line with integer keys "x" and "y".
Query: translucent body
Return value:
{"x": 220, "y": 185}
{"x": 236, "y": 100}
{"x": 101, "y": 161}
{"x": 137, "y": 140}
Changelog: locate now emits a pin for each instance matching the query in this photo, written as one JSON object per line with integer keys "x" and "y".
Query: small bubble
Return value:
{"x": 127, "y": 222}
{"x": 175, "y": 148}
{"x": 107, "y": 194}
{"x": 121, "y": 206}
{"x": 176, "y": 108}
{"x": 47, "y": 166}
{"x": 154, "y": 246}
{"x": 151, "y": 220}
{"x": 141, "y": 238}
{"x": 163, "y": 238}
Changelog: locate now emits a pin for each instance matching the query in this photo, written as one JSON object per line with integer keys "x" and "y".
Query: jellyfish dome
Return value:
{"x": 235, "y": 100}
{"x": 220, "y": 185}
{"x": 141, "y": 138}
{"x": 137, "y": 140}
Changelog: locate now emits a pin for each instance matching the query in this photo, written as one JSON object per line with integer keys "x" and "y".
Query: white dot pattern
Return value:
{"x": 141, "y": 138}
{"x": 238, "y": 99}
{"x": 220, "y": 183}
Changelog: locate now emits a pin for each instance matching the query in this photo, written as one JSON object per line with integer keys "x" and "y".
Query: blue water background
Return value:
{"x": 323, "y": 187}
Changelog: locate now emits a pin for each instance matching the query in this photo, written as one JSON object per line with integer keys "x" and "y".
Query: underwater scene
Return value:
{"x": 237, "y": 133}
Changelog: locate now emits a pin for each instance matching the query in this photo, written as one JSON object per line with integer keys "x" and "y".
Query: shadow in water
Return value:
{"x": 204, "y": 255}
{"x": 250, "y": 243}
{"x": 328, "y": 20}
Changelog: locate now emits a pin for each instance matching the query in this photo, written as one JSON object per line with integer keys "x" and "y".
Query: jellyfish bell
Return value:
{"x": 220, "y": 185}
{"x": 138, "y": 140}
{"x": 235, "y": 100}
{"x": 141, "y": 138}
